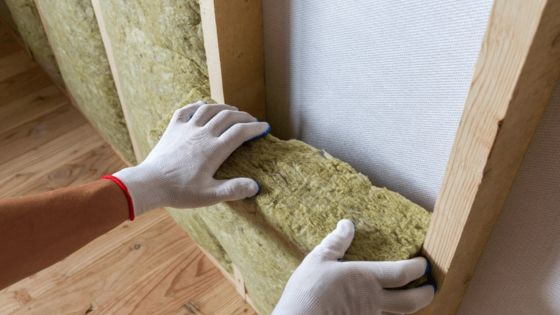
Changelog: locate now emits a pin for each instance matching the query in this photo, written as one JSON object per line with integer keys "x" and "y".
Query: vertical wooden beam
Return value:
{"x": 39, "y": 5}
{"x": 233, "y": 40}
{"x": 516, "y": 73}
{"x": 112, "y": 65}
{"x": 234, "y": 45}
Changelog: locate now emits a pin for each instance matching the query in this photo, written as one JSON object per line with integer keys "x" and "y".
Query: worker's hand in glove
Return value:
{"x": 323, "y": 284}
{"x": 179, "y": 171}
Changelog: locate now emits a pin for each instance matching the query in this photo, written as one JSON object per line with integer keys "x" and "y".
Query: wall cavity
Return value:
{"x": 74, "y": 35}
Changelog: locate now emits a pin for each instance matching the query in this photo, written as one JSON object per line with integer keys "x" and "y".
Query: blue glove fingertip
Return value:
{"x": 258, "y": 190}
{"x": 428, "y": 270}
{"x": 264, "y": 134}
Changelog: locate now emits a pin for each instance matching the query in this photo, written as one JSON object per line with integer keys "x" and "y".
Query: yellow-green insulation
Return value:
{"x": 160, "y": 60}
{"x": 74, "y": 35}
{"x": 24, "y": 14}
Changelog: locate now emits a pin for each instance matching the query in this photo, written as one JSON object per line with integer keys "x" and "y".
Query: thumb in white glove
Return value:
{"x": 323, "y": 284}
{"x": 179, "y": 171}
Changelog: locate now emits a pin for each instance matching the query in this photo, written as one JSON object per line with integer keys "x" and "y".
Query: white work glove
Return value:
{"x": 323, "y": 284}
{"x": 179, "y": 171}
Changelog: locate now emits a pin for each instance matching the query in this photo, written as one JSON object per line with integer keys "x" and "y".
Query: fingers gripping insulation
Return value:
{"x": 234, "y": 189}
{"x": 240, "y": 133}
{"x": 393, "y": 274}
{"x": 335, "y": 244}
{"x": 205, "y": 112}
{"x": 165, "y": 179}
{"x": 226, "y": 119}
{"x": 185, "y": 114}
{"x": 324, "y": 285}
{"x": 407, "y": 301}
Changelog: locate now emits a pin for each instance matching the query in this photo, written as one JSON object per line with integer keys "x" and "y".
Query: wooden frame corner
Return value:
{"x": 515, "y": 76}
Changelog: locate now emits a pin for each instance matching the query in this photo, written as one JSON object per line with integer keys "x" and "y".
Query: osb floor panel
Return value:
{"x": 146, "y": 267}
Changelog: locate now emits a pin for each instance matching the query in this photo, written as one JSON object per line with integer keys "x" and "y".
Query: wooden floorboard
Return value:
{"x": 51, "y": 154}
{"x": 40, "y": 131}
{"x": 8, "y": 43}
{"x": 15, "y": 63}
{"x": 23, "y": 84}
{"x": 92, "y": 164}
{"x": 149, "y": 266}
{"x": 30, "y": 107}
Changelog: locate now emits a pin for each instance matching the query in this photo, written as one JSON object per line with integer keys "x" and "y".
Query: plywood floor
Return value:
{"x": 147, "y": 267}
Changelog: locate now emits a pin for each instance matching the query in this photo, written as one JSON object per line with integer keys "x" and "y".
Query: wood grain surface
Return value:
{"x": 515, "y": 75}
{"x": 234, "y": 44}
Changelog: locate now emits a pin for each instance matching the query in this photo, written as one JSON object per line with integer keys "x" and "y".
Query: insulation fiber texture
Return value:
{"x": 304, "y": 192}
{"x": 73, "y": 32}
{"x": 161, "y": 65}
{"x": 24, "y": 14}
{"x": 160, "y": 60}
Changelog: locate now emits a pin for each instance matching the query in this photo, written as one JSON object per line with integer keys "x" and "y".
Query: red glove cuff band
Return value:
{"x": 126, "y": 194}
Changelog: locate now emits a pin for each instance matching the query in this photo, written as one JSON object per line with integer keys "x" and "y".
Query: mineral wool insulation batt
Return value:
{"x": 76, "y": 41}
{"x": 161, "y": 64}
{"x": 304, "y": 192}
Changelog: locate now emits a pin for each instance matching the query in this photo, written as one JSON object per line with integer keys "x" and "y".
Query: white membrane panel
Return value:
{"x": 379, "y": 84}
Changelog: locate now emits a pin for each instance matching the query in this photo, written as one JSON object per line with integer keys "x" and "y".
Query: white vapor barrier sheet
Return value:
{"x": 519, "y": 272}
{"x": 380, "y": 84}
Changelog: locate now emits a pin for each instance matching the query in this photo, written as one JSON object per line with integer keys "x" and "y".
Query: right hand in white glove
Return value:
{"x": 179, "y": 172}
{"x": 323, "y": 284}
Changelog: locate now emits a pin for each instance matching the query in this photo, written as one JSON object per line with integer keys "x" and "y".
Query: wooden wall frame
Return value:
{"x": 515, "y": 75}
{"x": 514, "y": 78}
{"x": 112, "y": 64}
{"x": 234, "y": 45}
{"x": 233, "y": 40}
{"x": 70, "y": 97}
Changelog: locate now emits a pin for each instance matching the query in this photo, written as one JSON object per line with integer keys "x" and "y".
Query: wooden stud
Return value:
{"x": 516, "y": 73}
{"x": 69, "y": 95}
{"x": 236, "y": 279}
{"x": 112, "y": 65}
{"x": 233, "y": 40}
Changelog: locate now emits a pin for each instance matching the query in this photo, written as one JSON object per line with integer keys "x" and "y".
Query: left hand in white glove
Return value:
{"x": 179, "y": 171}
{"x": 323, "y": 284}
